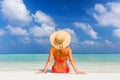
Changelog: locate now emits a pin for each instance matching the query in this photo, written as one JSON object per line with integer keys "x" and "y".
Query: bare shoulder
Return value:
{"x": 69, "y": 51}
{"x": 51, "y": 49}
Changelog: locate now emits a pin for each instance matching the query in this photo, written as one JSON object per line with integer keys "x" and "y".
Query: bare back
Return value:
{"x": 60, "y": 57}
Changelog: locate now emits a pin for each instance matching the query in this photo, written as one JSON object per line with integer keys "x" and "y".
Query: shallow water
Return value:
{"x": 84, "y": 62}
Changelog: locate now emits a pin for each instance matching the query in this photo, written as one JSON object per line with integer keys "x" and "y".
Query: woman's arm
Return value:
{"x": 49, "y": 61}
{"x": 73, "y": 63}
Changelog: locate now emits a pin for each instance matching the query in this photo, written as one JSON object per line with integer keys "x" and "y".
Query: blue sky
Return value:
{"x": 26, "y": 25}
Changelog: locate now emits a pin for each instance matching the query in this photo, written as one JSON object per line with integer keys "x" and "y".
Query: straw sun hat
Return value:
{"x": 60, "y": 39}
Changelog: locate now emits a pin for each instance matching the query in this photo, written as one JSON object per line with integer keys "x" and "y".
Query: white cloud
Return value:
{"x": 87, "y": 29}
{"x": 15, "y": 12}
{"x": 74, "y": 38}
{"x": 17, "y": 31}
{"x": 2, "y": 32}
{"x": 25, "y": 40}
{"x": 43, "y": 31}
{"x": 43, "y": 18}
{"x": 42, "y": 40}
{"x": 46, "y": 25}
{"x": 100, "y": 9}
{"x": 92, "y": 43}
{"x": 108, "y": 42}
{"x": 108, "y": 14}
{"x": 87, "y": 42}
{"x": 116, "y": 33}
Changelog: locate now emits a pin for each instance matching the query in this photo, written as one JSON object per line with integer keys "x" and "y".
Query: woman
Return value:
{"x": 61, "y": 51}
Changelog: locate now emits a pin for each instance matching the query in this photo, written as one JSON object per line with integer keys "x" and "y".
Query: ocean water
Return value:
{"x": 107, "y": 63}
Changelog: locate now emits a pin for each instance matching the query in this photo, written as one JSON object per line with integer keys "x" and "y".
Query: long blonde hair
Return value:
{"x": 60, "y": 53}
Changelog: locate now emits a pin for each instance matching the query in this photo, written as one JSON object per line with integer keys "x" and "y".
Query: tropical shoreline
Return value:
{"x": 30, "y": 75}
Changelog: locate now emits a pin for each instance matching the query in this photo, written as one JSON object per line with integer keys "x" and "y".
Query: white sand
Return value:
{"x": 30, "y": 75}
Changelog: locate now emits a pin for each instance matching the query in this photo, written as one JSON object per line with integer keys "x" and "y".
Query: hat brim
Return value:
{"x": 66, "y": 41}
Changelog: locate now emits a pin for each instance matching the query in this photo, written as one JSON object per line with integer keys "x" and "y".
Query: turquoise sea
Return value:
{"x": 86, "y": 62}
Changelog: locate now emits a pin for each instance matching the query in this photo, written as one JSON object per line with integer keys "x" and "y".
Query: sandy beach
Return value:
{"x": 24, "y": 67}
{"x": 30, "y": 75}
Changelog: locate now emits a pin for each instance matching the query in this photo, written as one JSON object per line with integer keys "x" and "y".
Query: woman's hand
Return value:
{"x": 40, "y": 72}
{"x": 78, "y": 72}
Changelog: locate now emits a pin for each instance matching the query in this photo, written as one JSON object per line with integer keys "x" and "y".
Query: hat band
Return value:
{"x": 59, "y": 41}
{"x": 59, "y": 45}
